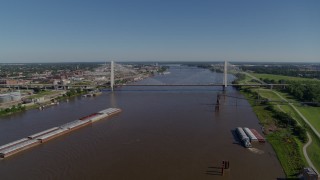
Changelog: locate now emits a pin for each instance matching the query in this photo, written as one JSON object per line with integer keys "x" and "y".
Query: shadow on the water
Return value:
{"x": 235, "y": 138}
{"x": 214, "y": 171}
{"x": 298, "y": 176}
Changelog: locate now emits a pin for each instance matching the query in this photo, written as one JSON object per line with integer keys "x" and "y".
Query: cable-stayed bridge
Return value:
{"x": 225, "y": 66}
{"x": 114, "y": 73}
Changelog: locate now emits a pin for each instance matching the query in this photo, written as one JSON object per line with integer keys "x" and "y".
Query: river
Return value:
{"x": 162, "y": 133}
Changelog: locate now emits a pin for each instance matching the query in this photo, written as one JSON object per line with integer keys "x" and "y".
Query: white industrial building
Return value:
{"x": 8, "y": 97}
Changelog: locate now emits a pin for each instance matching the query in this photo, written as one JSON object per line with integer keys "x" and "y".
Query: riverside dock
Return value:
{"x": 46, "y": 135}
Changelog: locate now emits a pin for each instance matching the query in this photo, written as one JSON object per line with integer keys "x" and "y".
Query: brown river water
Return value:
{"x": 162, "y": 133}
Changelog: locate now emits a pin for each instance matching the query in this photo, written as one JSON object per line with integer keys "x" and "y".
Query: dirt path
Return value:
{"x": 306, "y": 154}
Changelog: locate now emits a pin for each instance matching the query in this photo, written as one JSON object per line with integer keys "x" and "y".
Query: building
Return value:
{"x": 8, "y": 97}
{"x": 4, "y": 98}
{"x": 8, "y": 81}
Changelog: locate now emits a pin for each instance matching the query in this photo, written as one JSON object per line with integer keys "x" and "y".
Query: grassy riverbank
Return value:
{"x": 287, "y": 146}
{"x": 12, "y": 110}
{"x": 281, "y": 77}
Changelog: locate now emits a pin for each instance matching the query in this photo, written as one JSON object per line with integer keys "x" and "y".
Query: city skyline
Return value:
{"x": 87, "y": 31}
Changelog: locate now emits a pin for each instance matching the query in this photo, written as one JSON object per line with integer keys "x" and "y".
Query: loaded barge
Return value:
{"x": 247, "y": 136}
{"x": 251, "y": 136}
{"x": 44, "y": 136}
{"x": 243, "y": 137}
{"x": 259, "y": 137}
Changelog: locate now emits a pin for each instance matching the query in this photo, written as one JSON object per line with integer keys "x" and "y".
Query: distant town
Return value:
{"x": 38, "y": 85}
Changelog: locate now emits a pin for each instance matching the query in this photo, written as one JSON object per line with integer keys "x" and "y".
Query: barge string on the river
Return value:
{"x": 43, "y": 136}
{"x": 247, "y": 136}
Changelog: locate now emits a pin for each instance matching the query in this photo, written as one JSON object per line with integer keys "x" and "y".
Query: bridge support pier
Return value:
{"x": 217, "y": 107}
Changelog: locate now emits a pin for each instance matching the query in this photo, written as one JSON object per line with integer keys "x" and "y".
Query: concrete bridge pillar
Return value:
{"x": 112, "y": 75}
{"x": 225, "y": 78}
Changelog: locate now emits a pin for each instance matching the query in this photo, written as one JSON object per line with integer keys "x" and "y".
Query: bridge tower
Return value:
{"x": 225, "y": 73}
{"x": 112, "y": 75}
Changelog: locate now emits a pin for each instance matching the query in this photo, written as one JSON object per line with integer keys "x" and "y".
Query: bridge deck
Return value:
{"x": 204, "y": 85}
{"x": 50, "y": 85}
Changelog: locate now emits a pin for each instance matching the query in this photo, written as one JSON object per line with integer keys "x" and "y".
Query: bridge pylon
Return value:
{"x": 225, "y": 73}
{"x": 112, "y": 75}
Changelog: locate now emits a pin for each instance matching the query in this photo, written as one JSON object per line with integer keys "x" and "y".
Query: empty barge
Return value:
{"x": 258, "y": 135}
{"x": 44, "y": 136}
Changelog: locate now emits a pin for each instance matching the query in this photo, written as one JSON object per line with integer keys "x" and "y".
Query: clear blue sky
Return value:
{"x": 159, "y": 30}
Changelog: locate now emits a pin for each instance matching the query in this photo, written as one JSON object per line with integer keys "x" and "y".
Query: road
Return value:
{"x": 253, "y": 77}
{"x": 306, "y": 154}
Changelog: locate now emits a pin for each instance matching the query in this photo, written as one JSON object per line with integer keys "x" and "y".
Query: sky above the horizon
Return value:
{"x": 159, "y": 30}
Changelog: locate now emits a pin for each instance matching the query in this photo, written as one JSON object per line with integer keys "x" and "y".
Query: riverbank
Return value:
{"x": 286, "y": 145}
{"x": 293, "y": 152}
{"x": 49, "y": 102}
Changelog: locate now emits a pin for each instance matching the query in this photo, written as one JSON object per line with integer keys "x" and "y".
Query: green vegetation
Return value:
{"x": 270, "y": 95}
{"x": 287, "y": 150}
{"x": 43, "y": 93}
{"x": 277, "y": 78}
{"x": 293, "y": 70}
{"x": 279, "y": 118}
{"x": 162, "y": 69}
{"x": 85, "y": 83}
{"x": 11, "y": 110}
{"x": 73, "y": 93}
{"x": 281, "y": 134}
{"x": 313, "y": 150}
{"x": 305, "y": 91}
{"x": 27, "y": 69}
{"x": 312, "y": 114}
{"x": 121, "y": 81}
{"x": 70, "y": 93}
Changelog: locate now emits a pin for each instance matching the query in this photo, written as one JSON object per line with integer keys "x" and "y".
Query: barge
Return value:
{"x": 89, "y": 116}
{"x": 42, "y": 132}
{"x": 110, "y": 111}
{"x": 13, "y": 143}
{"x": 243, "y": 137}
{"x": 46, "y": 135}
{"x": 18, "y": 147}
{"x": 75, "y": 124}
{"x": 51, "y": 135}
{"x": 251, "y": 136}
{"x": 258, "y": 135}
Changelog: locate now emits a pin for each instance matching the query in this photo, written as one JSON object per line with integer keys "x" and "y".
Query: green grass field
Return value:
{"x": 313, "y": 151}
{"x": 287, "y": 147}
{"x": 43, "y": 93}
{"x": 265, "y": 93}
{"x": 287, "y": 150}
{"x": 281, "y": 77}
{"x": 288, "y": 97}
{"x": 312, "y": 114}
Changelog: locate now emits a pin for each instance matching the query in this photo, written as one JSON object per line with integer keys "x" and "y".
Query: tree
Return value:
{"x": 301, "y": 133}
